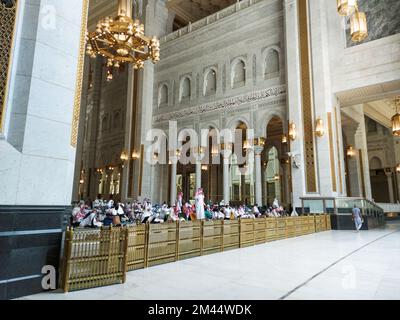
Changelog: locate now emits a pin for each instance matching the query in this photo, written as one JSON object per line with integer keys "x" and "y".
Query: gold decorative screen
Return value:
{"x": 8, "y": 10}
{"x": 332, "y": 153}
{"x": 79, "y": 76}
{"x": 307, "y": 103}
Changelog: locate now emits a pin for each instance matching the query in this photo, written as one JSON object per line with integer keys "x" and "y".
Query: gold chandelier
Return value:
{"x": 121, "y": 40}
{"x": 396, "y": 119}
{"x": 358, "y": 20}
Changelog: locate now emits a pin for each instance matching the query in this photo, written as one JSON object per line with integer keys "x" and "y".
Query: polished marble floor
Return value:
{"x": 328, "y": 265}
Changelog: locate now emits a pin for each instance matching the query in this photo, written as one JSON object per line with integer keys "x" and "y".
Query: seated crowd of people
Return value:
{"x": 105, "y": 213}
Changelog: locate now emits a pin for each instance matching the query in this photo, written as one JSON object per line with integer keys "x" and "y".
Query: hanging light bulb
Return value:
{"x": 346, "y": 7}
{"x": 358, "y": 26}
{"x": 247, "y": 145}
{"x": 319, "y": 128}
{"x": 135, "y": 155}
{"x": 396, "y": 119}
{"x": 351, "y": 152}
{"x": 260, "y": 142}
{"x": 292, "y": 131}
{"x": 109, "y": 75}
{"x": 124, "y": 156}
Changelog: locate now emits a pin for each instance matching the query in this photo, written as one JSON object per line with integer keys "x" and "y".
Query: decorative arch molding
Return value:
{"x": 266, "y": 119}
{"x": 163, "y": 94}
{"x": 105, "y": 123}
{"x": 272, "y": 55}
{"x": 117, "y": 119}
{"x": 376, "y": 162}
{"x": 238, "y": 72}
{"x": 185, "y": 88}
{"x": 210, "y": 80}
{"x": 210, "y": 125}
{"x": 235, "y": 121}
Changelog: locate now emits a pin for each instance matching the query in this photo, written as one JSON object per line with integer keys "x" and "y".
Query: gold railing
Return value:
{"x": 94, "y": 258}
{"x": 103, "y": 256}
{"x": 7, "y": 28}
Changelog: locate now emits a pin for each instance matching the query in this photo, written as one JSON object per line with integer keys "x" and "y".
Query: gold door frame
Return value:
{"x": 8, "y": 21}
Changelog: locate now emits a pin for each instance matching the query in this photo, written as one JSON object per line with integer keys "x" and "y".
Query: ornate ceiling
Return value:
{"x": 192, "y": 10}
{"x": 186, "y": 10}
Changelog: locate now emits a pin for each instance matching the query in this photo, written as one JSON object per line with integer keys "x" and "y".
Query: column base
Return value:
{"x": 30, "y": 238}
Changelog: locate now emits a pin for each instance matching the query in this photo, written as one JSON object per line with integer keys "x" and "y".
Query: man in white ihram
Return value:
{"x": 357, "y": 218}
{"x": 200, "y": 204}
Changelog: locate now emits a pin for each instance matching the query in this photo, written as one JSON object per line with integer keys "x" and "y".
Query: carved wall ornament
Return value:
{"x": 227, "y": 104}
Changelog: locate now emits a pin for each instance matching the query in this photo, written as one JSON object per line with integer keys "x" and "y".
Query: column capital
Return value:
{"x": 258, "y": 150}
{"x": 289, "y": 3}
{"x": 173, "y": 160}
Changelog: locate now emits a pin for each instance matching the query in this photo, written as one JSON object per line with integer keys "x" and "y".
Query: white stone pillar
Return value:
{"x": 174, "y": 164}
{"x": 357, "y": 137}
{"x": 294, "y": 97}
{"x": 226, "y": 186}
{"x": 257, "y": 165}
{"x": 198, "y": 174}
{"x": 155, "y": 17}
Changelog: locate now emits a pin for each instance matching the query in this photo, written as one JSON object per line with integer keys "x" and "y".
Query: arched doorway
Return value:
{"x": 211, "y": 169}
{"x": 276, "y": 169}
{"x": 272, "y": 177}
{"x": 186, "y": 171}
{"x": 379, "y": 181}
{"x": 242, "y": 177}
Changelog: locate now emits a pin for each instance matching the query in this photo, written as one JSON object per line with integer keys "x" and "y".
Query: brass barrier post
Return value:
{"x": 178, "y": 227}
{"x": 125, "y": 259}
{"x": 223, "y": 235}
{"x": 146, "y": 247}
{"x": 68, "y": 249}
{"x": 201, "y": 237}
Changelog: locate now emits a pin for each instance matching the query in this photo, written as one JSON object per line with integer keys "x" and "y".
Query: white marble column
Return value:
{"x": 174, "y": 163}
{"x": 294, "y": 108}
{"x": 257, "y": 165}
{"x": 390, "y": 186}
{"x": 36, "y": 152}
{"x": 155, "y": 17}
{"x": 355, "y": 132}
{"x": 198, "y": 174}
{"x": 226, "y": 186}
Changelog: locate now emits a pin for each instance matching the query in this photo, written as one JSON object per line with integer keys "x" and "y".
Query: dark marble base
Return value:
{"x": 30, "y": 238}
{"x": 345, "y": 222}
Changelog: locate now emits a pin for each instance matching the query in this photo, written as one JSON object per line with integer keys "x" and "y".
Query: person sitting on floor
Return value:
{"x": 208, "y": 213}
{"x": 256, "y": 211}
{"x": 227, "y": 212}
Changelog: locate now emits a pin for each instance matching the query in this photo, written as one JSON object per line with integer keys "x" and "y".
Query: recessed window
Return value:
{"x": 186, "y": 91}
{"x": 210, "y": 83}
{"x": 272, "y": 64}
{"x": 238, "y": 74}
{"x": 163, "y": 95}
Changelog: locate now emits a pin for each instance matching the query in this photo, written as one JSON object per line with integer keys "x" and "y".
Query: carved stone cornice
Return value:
{"x": 226, "y": 104}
